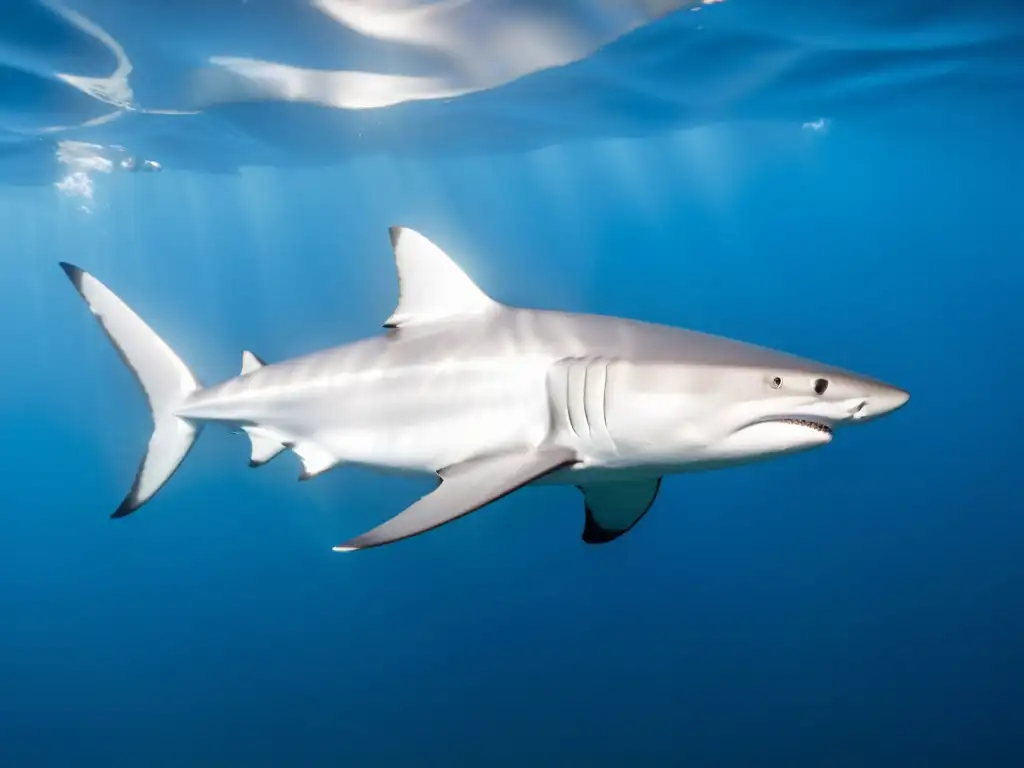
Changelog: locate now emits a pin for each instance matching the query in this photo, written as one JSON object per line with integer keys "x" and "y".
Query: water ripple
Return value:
{"x": 217, "y": 84}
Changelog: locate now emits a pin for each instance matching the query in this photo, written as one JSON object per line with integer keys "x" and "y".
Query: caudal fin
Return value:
{"x": 164, "y": 378}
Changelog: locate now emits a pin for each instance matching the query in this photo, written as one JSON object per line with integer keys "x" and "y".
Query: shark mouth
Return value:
{"x": 810, "y": 425}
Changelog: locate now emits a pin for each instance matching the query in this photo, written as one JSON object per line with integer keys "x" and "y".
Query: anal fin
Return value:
{"x": 614, "y": 507}
{"x": 464, "y": 488}
{"x": 265, "y": 445}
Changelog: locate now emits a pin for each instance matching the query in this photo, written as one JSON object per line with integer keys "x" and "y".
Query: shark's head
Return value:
{"x": 736, "y": 411}
{"x": 780, "y": 410}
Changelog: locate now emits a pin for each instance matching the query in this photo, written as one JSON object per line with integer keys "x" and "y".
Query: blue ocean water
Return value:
{"x": 838, "y": 180}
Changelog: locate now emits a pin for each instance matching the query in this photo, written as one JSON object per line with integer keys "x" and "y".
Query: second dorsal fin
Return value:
{"x": 431, "y": 286}
{"x": 250, "y": 362}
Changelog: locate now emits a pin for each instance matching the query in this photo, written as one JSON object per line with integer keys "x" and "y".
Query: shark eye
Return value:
{"x": 820, "y": 386}
{"x": 776, "y": 382}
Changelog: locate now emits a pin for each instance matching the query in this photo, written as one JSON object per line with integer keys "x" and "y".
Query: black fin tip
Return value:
{"x": 74, "y": 273}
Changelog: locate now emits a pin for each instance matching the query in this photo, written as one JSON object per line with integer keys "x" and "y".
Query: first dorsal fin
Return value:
{"x": 431, "y": 286}
{"x": 250, "y": 362}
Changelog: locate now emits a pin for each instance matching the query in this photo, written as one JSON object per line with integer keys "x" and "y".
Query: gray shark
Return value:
{"x": 487, "y": 398}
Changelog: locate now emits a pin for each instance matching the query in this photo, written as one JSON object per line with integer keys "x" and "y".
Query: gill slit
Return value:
{"x": 577, "y": 399}
{"x": 568, "y": 399}
{"x": 604, "y": 406}
{"x": 583, "y": 396}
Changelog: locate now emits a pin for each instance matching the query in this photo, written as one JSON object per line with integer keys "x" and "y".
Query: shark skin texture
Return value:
{"x": 488, "y": 398}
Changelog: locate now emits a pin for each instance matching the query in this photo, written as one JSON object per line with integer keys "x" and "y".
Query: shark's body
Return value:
{"x": 489, "y": 398}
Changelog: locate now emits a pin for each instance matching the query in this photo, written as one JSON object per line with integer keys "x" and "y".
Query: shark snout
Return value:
{"x": 881, "y": 401}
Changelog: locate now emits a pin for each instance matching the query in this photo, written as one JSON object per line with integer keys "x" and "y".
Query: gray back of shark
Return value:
{"x": 488, "y": 398}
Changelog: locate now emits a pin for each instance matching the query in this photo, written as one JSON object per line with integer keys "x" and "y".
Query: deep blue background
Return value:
{"x": 856, "y": 606}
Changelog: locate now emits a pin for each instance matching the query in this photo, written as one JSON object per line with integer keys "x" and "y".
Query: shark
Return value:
{"x": 486, "y": 398}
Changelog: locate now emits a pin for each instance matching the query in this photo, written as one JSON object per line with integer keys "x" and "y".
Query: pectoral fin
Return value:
{"x": 464, "y": 488}
{"x": 612, "y": 508}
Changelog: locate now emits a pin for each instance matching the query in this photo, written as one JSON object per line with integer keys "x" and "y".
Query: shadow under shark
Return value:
{"x": 489, "y": 398}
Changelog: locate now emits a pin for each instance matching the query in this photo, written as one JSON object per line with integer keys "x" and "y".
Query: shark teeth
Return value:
{"x": 809, "y": 424}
